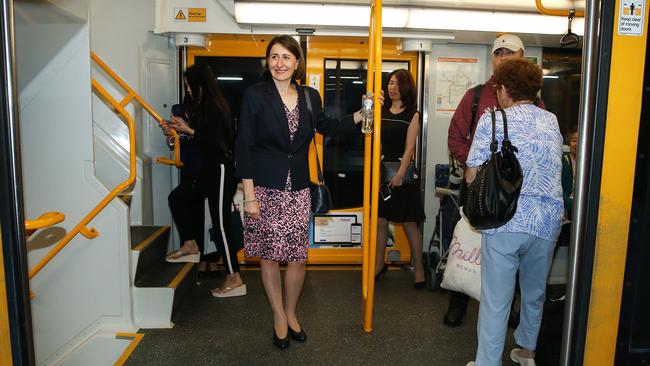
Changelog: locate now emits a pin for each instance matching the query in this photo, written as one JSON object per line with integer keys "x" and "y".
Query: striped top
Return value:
{"x": 536, "y": 134}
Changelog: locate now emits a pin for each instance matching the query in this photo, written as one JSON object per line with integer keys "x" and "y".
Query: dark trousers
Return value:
{"x": 186, "y": 203}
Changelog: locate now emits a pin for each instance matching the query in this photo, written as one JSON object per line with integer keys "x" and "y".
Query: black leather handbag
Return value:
{"x": 321, "y": 200}
{"x": 492, "y": 197}
{"x": 389, "y": 170}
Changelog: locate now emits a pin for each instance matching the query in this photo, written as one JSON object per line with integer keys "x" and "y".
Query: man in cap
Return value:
{"x": 461, "y": 129}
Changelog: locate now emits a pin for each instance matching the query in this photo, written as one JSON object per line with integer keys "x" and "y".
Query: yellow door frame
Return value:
{"x": 621, "y": 136}
{"x": 5, "y": 336}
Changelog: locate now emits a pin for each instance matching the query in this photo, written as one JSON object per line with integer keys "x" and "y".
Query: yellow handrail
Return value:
{"x": 373, "y": 175}
{"x": 555, "y": 12}
{"x": 45, "y": 220}
{"x": 81, "y": 227}
{"x": 131, "y": 95}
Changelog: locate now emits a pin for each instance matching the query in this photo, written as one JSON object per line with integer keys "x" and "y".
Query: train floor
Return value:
{"x": 408, "y": 327}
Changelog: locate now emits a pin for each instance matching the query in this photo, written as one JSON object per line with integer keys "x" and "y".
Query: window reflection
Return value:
{"x": 345, "y": 83}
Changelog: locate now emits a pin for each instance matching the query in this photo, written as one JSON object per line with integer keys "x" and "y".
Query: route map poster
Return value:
{"x": 454, "y": 75}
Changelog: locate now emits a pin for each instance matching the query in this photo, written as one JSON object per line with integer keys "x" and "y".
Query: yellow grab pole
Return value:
{"x": 563, "y": 13}
{"x": 374, "y": 185}
{"x": 367, "y": 159}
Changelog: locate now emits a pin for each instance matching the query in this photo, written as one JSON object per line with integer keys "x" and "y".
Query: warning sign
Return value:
{"x": 630, "y": 18}
{"x": 190, "y": 15}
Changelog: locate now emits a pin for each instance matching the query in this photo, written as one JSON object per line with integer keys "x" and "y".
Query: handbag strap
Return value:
{"x": 506, "y": 144}
{"x": 321, "y": 181}
{"x": 494, "y": 143}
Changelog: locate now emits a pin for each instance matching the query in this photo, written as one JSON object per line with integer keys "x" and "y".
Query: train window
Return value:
{"x": 345, "y": 83}
{"x": 234, "y": 75}
{"x": 561, "y": 89}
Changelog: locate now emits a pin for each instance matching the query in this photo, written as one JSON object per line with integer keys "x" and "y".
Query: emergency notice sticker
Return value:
{"x": 630, "y": 18}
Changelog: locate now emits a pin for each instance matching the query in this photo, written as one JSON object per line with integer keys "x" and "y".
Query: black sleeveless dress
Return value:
{"x": 405, "y": 204}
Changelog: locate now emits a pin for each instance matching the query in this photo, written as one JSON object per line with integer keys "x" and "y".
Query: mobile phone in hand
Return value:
{"x": 178, "y": 111}
{"x": 385, "y": 192}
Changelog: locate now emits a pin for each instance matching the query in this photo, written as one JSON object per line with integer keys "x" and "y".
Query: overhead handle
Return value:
{"x": 570, "y": 39}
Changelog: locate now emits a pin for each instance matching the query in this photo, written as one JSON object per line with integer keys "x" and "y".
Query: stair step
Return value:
{"x": 164, "y": 274}
{"x": 126, "y": 198}
{"x": 141, "y": 236}
{"x": 150, "y": 243}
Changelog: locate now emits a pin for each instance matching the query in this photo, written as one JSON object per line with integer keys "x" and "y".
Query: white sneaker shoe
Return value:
{"x": 471, "y": 363}
{"x": 514, "y": 355}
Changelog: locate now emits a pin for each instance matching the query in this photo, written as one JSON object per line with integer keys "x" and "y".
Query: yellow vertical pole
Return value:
{"x": 625, "y": 96}
{"x": 374, "y": 184}
{"x": 5, "y": 338}
{"x": 367, "y": 158}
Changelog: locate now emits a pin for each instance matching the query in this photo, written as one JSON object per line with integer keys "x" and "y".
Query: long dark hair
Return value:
{"x": 206, "y": 95}
{"x": 406, "y": 87}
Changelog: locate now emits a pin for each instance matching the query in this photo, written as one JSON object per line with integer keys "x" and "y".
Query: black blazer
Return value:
{"x": 264, "y": 151}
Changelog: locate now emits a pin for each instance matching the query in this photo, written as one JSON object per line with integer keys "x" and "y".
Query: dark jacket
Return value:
{"x": 567, "y": 183}
{"x": 264, "y": 151}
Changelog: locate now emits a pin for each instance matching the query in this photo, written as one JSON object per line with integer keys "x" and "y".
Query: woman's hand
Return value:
{"x": 358, "y": 116}
{"x": 252, "y": 209}
{"x": 470, "y": 174}
{"x": 180, "y": 125}
{"x": 166, "y": 128}
{"x": 371, "y": 95}
{"x": 396, "y": 181}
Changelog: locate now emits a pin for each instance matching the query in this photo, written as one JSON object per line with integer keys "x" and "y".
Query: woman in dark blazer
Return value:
{"x": 275, "y": 131}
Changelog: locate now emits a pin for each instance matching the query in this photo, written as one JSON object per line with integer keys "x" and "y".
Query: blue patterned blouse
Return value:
{"x": 536, "y": 134}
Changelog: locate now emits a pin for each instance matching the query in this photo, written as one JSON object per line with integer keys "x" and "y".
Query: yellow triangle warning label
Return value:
{"x": 180, "y": 15}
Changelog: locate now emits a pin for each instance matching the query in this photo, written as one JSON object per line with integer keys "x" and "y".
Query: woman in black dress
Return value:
{"x": 400, "y": 127}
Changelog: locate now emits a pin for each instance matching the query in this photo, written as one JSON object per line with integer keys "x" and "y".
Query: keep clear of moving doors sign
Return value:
{"x": 189, "y": 15}
{"x": 630, "y": 18}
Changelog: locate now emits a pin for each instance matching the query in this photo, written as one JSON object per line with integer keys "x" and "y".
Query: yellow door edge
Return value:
{"x": 5, "y": 336}
{"x": 135, "y": 340}
{"x": 617, "y": 181}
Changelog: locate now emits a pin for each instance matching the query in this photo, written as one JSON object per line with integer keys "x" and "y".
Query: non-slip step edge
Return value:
{"x": 143, "y": 236}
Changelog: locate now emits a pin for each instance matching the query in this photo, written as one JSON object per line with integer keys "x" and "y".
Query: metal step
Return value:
{"x": 151, "y": 244}
{"x": 159, "y": 286}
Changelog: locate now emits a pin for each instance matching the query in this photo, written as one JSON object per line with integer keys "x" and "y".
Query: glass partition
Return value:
{"x": 234, "y": 75}
{"x": 345, "y": 83}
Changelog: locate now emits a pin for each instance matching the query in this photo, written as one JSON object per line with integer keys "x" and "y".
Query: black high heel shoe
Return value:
{"x": 420, "y": 285}
{"x": 298, "y": 336}
{"x": 281, "y": 343}
{"x": 382, "y": 271}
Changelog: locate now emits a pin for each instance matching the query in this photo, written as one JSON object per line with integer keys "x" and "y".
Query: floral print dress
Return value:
{"x": 282, "y": 231}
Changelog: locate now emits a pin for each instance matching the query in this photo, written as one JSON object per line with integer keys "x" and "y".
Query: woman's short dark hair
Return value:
{"x": 522, "y": 78}
{"x": 406, "y": 86}
{"x": 292, "y": 46}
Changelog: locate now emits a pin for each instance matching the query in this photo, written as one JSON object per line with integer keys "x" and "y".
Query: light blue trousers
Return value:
{"x": 502, "y": 255}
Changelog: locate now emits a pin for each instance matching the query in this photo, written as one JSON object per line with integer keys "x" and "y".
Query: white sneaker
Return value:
{"x": 471, "y": 363}
{"x": 514, "y": 355}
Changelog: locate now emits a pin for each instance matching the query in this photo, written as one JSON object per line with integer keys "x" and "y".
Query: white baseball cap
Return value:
{"x": 509, "y": 41}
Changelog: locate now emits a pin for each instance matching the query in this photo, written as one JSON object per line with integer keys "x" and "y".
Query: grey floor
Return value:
{"x": 237, "y": 331}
